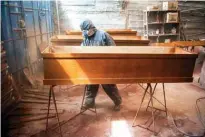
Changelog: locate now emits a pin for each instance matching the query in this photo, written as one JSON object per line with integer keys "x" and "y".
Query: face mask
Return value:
{"x": 91, "y": 32}
{"x": 85, "y": 34}
{"x": 88, "y": 33}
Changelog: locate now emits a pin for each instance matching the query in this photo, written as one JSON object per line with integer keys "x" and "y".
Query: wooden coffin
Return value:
{"x": 181, "y": 43}
{"x": 75, "y": 40}
{"x": 116, "y": 65}
{"x": 112, "y": 32}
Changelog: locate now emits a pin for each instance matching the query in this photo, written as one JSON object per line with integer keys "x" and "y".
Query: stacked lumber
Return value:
{"x": 31, "y": 109}
{"x": 9, "y": 91}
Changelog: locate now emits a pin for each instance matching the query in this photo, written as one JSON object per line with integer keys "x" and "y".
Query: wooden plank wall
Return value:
{"x": 193, "y": 19}
{"x": 202, "y": 75}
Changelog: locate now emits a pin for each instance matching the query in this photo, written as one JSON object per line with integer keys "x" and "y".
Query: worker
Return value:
{"x": 95, "y": 37}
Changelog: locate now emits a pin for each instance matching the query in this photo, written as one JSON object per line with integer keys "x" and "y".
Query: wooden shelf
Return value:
{"x": 156, "y": 35}
{"x": 158, "y": 23}
{"x": 171, "y": 23}
{"x": 156, "y": 20}
{"x": 155, "y": 23}
{"x": 162, "y": 10}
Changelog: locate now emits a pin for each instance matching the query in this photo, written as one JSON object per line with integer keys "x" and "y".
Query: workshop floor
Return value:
{"x": 29, "y": 117}
{"x": 181, "y": 100}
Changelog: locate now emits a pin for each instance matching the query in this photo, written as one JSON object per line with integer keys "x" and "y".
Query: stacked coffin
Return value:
{"x": 122, "y": 37}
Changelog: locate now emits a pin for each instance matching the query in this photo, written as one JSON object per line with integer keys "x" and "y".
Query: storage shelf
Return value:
{"x": 161, "y": 10}
{"x": 156, "y": 20}
{"x": 156, "y": 23}
{"x": 156, "y": 35}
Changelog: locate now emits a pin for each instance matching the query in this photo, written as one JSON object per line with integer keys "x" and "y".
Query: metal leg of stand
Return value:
{"x": 83, "y": 98}
{"x": 54, "y": 101}
{"x": 165, "y": 106}
{"x": 51, "y": 91}
{"x": 49, "y": 101}
{"x": 164, "y": 99}
{"x": 81, "y": 108}
{"x": 73, "y": 117}
{"x": 153, "y": 109}
{"x": 152, "y": 95}
{"x": 133, "y": 124}
{"x": 141, "y": 85}
{"x": 149, "y": 119}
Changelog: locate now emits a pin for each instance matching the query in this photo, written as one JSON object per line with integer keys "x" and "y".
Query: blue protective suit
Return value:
{"x": 99, "y": 38}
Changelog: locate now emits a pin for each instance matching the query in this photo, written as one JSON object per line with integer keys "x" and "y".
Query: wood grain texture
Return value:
{"x": 181, "y": 43}
{"x": 112, "y": 32}
{"x": 113, "y": 51}
{"x": 117, "y": 65}
{"x": 76, "y": 40}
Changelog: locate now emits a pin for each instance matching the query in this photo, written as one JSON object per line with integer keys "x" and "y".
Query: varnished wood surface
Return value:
{"x": 117, "y": 65}
{"x": 181, "y": 43}
{"x": 79, "y": 37}
{"x": 75, "y": 40}
{"x": 112, "y": 32}
{"x": 113, "y": 51}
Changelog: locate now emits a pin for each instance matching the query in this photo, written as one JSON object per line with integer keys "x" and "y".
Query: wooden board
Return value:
{"x": 112, "y": 32}
{"x": 116, "y": 65}
{"x": 75, "y": 40}
{"x": 181, "y": 43}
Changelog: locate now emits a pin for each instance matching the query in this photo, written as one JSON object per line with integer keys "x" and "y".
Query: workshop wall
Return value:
{"x": 193, "y": 19}
{"x": 25, "y": 25}
{"x": 127, "y": 14}
{"x": 109, "y": 14}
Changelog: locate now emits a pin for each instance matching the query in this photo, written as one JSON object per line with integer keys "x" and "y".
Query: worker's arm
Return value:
{"x": 109, "y": 40}
{"x": 83, "y": 43}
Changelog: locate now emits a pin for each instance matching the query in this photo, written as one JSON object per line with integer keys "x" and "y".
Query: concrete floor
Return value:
{"x": 181, "y": 99}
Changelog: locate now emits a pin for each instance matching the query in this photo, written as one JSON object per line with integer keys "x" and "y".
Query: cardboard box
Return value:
{"x": 169, "y": 5}
{"x": 172, "y": 17}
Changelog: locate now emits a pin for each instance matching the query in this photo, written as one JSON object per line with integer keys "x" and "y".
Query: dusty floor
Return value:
{"x": 181, "y": 99}
{"x": 29, "y": 118}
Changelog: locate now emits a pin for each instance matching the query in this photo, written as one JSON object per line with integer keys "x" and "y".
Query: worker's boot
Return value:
{"x": 91, "y": 92}
{"x": 117, "y": 106}
{"x": 112, "y": 91}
